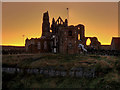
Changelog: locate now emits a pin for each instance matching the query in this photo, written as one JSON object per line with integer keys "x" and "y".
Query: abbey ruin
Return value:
{"x": 61, "y": 38}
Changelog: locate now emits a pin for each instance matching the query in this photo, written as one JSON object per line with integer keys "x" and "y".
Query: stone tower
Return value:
{"x": 53, "y": 26}
{"x": 81, "y": 33}
{"x": 45, "y": 24}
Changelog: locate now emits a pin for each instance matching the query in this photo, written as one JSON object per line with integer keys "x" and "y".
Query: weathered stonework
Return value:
{"x": 60, "y": 38}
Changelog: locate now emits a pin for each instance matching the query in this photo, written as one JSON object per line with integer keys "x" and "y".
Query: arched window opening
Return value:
{"x": 50, "y": 30}
{"x": 78, "y": 36}
{"x": 88, "y": 41}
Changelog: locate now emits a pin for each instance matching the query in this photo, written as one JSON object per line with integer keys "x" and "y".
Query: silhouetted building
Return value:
{"x": 115, "y": 44}
{"x": 60, "y": 38}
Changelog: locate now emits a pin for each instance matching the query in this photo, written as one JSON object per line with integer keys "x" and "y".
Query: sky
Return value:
{"x": 25, "y": 18}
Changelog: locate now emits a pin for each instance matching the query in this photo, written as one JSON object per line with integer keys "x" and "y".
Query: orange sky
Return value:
{"x": 100, "y": 19}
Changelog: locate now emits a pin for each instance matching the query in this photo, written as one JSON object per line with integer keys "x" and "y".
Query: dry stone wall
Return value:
{"x": 74, "y": 72}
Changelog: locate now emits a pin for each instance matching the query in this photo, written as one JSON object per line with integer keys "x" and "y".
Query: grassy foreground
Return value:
{"x": 110, "y": 80}
{"x": 108, "y": 66}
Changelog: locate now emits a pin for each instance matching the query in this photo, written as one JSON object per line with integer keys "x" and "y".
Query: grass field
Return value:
{"x": 109, "y": 66}
{"x": 68, "y": 61}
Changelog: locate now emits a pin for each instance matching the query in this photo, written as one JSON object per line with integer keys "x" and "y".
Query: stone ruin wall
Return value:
{"x": 61, "y": 29}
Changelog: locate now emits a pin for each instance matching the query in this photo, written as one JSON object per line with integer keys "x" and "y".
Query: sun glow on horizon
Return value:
{"x": 100, "y": 20}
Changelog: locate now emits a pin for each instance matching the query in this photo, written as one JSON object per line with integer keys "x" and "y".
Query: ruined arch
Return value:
{"x": 59, "y": 21}
{"x": 81, "y": 31}
{"x": 94, "y": 42}
{"x": 88, "y": 41}
{"x": 78, "y": 36}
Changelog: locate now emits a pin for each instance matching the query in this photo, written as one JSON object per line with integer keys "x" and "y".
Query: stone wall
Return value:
{"x": 74, "y": 72}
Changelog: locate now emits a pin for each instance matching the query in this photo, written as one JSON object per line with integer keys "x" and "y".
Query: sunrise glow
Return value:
{"x": 18, "y": 19}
